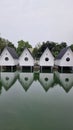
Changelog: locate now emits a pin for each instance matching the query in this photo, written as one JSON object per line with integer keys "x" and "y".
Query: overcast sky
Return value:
{"x": 36, "y": 20}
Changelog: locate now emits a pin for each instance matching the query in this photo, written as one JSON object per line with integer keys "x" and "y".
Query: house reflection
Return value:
{"x": 65, "y": 80}
{"x": 8, "y": 79}
{"x": 46, "y": 80}
{"x": 26, "y": 79}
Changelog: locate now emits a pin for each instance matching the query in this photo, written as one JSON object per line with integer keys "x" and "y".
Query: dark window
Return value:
{"x": 26, "y": 78}
{"x": 7, "y": 78}
{"x": 67, "y": 80}
{"x": 46, "y": 59}
{"x": 67, "y": 59}
{"x": 46, "y": 79}
{"x": 26, "y": 59}
{"x": 6, "y": 58}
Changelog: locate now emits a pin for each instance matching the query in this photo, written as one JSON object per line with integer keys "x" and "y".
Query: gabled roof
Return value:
{"x": 28, "y": 50}
{"x": 12, "y": 52}
{"x": 62, "y": 52}
{"x": 45, "y": 51}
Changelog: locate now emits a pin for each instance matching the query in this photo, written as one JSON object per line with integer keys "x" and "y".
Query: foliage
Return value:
{"x": 71, "y": 47}
{"x": 4, "y": 42}
{"x": 21, "y": 45}
{"x": 54, "y": 47}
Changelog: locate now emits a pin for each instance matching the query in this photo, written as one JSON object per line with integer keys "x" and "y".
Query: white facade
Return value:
{"x": 46, "y": 59}
{"x": 63, "y": 61}
{"x": 10, "y": 60}
{"x": 26, "y": 58}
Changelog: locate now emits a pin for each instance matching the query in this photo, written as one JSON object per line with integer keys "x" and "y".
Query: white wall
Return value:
{"x": 48, "y": 54}
{"x": 57, "y": 62}
{"x": 30, "y": 61}
{"x": 10, "y": 62}
{"x": 63, "y": 62}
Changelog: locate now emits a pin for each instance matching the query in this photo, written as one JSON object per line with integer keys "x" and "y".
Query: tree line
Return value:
{"x": 39, "y": 48}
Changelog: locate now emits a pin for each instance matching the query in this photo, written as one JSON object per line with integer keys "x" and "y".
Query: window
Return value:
{"x": 26, "y": 58}
{"x": 6, "y": 58}
{"x": 46, "y": 79}
{"x": 46, "y": 59}
{"x": 67, "y": 59}
{"x": 7, "y": 78}
{"x": 67, "y": 80}
{"x": 26, "y": 78}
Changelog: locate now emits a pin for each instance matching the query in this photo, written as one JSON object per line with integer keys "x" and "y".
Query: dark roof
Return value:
{"x": 62, "y": 52}
{"x": 12, "y": 52}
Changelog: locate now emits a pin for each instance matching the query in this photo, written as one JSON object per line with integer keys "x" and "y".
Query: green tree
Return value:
{"x": 21, "y": 45}
{"x": 5, "y": 42}
{"x": 71, "y": 46}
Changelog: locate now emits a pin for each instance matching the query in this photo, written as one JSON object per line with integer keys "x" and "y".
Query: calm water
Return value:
{"x": 31, "y": 101}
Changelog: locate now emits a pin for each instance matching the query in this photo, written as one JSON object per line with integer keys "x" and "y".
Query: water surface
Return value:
{"x": 31, "y": 101}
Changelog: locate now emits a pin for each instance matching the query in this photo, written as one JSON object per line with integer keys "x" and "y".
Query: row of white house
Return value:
{"x": 9, "y": 57}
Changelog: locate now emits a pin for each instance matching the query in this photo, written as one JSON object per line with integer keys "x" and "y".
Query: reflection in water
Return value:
{"x": 8, "y": 79}
{"x": 46, "y": 80}
{"x": 36, "y": 109}
{"x": 26, "y": 80}
{"x": 65, "y": 80}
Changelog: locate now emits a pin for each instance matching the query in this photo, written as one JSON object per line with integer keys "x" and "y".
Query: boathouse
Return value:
{"x": 8, "y": 59}
{"x": 65, "y": 59}
{"x": 46, "y": 60}
{"x": 26, "y": 60}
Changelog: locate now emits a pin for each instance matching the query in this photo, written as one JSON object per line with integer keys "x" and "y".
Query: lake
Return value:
{"x": 36, "y": 101}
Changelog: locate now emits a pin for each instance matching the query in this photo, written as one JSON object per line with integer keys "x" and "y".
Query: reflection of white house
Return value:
{"x": 8, "y": 58}
{"x": 26, "y": 80}
{"x": 26, "y": 59}
{"x": 8, "y": 79}
{"x": 46, "y": 59}
{"x": 65, "y": 80}
{"x": 65, "y": 58}
{"x": 46, "y": 80}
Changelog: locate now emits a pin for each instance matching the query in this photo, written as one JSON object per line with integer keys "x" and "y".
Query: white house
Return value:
{"x": 46, "y": 59}
{"x": 26, "y": 79}
{"x": 8, "y": 79}
{"x": 8, "y": 58}
{"x": 46, "y": 80}
{"x": 65, "y": 58}
{"x": 65, "y": 80}
{"x": 26, "y": 60}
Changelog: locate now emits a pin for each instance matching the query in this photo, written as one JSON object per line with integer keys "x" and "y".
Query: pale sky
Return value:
{"x": 37, "y": 20}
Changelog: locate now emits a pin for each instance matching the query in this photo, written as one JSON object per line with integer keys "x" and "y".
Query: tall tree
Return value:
{"x": 21, "y": 45}
{"x": 5, "y": 42}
